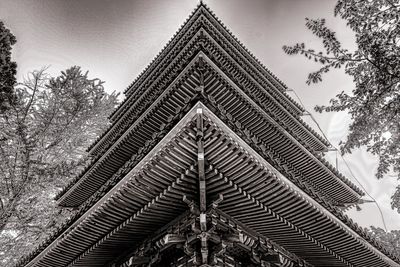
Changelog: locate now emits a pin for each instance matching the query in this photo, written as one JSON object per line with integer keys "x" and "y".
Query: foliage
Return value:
{"x": 43, "y": 137}
{"x": 8, "y": 68}
{"x": 374, "y": 103}
{"x": 390, "y": 240}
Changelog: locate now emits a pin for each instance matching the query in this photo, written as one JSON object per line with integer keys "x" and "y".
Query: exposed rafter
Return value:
{"x": 178, "y": 98}
{"x": 169, "y": 181}
{"x": 208, "y": 163}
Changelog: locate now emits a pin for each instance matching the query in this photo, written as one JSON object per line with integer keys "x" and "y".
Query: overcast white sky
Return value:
{"x": 116, "y": 39}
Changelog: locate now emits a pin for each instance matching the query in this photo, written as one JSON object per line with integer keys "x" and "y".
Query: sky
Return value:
{"x": 116, "y": 39}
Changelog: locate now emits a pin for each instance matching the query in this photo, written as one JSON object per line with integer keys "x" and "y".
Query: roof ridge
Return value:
{"x": 254, "y": 58}
{"x": 204, "y": 7}
{"x": 164, "y": 47}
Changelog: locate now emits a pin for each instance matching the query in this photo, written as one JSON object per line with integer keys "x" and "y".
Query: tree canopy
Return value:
{"x": 390, "y": 240}
{"x": 43, "y": 138}
{"x": 8, "y": 68}
{"x": 374, "y": 103}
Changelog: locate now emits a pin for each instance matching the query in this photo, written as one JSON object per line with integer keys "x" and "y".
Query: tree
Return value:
{"x": 374, "y": 104}
{"x": 43, "y": 137}
{"x": 8, "y": 68}
{"x": 390, "y": 240}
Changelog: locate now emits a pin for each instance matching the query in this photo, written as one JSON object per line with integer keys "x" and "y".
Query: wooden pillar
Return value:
{"x": 200, "y": 160}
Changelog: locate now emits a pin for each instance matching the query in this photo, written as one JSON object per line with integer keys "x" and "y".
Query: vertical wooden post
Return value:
{"x": 201, "y": 69}
{"x": 200, "y": 160}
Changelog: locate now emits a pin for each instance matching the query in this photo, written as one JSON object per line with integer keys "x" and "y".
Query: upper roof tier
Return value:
{"x": 202, "y": 17}
{"x": 258, "y": 154}
{"x": 147, "y": 121}
{"x": 204, "y": 61}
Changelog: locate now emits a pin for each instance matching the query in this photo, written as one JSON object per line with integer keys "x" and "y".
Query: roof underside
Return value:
{"x": 250, "y": 112}
{"x": 255, "y": 193}
{"x": 169, "y": 86}
{"x": 259, "y": 155}
{"x": 226, "y": 49}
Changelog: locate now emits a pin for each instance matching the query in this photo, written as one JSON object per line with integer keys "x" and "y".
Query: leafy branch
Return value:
{"x": 375, "y": 67}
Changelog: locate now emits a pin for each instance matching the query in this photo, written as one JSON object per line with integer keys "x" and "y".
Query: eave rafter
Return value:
{"x": 151, "y": 179}
{"x": 155, "y": 214}
{"x": 222, "y": 58}
{"x": 229, "y": 101}
{"x": 202, "y": 20}
{"x": 276, "y": 196}
{"x": 248, "y": 208}
{"x": 218, "y": 102}
{"x": 208, "y": 135}
{"x": 187, "y": 81}
{"x": 147, "y": 126}
{"x": 267, "y": 205}
{"x": 260, "y": 90}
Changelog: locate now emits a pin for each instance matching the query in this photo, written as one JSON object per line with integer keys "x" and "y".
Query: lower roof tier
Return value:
{"x": 165, "y": 184}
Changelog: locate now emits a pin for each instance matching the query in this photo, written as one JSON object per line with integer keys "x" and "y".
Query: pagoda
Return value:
{"x": 207, "y": 162}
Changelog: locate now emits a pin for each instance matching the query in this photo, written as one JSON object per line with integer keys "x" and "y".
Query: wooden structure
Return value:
{"x": 208, "y": 163}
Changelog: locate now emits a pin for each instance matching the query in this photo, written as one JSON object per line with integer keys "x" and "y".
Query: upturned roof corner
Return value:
{"x": 208, "y": 161}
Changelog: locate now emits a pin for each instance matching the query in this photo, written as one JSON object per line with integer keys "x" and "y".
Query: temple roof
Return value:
{"x": 255, "y": 193}
{"x": 140, "y": 120}
{"x": 203, "y": 17}
{"x": 202, "y": 32}
{"x": 259, "y": 154}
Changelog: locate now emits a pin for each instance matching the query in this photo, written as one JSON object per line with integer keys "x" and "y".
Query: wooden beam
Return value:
{"x": 200, "y": 159}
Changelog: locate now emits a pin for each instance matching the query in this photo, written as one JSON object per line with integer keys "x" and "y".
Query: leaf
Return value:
{"x": 375, "y": 69}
